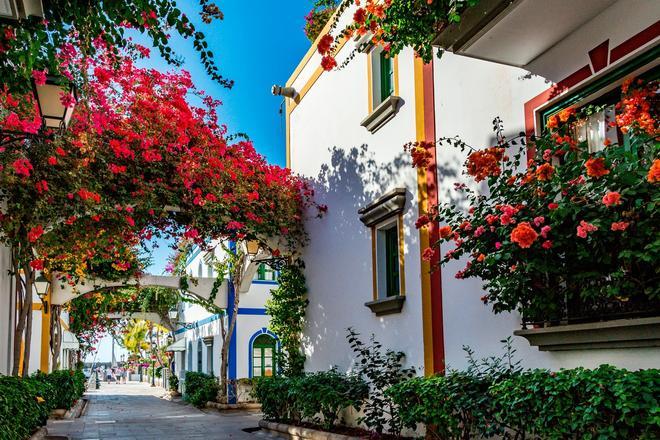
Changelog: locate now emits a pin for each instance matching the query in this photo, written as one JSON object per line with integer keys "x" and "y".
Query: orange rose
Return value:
{"x": 524, "y": 235}
{"x": 611, "y": 199}
{"x": 445, "y": 231}
{"x": 545, "y": 172}
{"x": 596, "y": 167}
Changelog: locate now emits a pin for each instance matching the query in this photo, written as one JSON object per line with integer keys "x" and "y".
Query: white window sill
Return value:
{"x": 385, "y": 111}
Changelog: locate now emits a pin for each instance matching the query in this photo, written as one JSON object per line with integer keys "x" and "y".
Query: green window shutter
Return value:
{"x": 261, "y": 272}
{"x": 392, "y": 261}
{"x": 386, "y": 76}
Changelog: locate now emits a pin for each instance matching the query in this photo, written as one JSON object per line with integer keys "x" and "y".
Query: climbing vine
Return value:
{"x": 286, "y": 309}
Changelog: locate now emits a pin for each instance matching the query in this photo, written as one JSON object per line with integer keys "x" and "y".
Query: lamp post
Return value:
{"x": 41, "y": 285}
{"x": 252, "y": 249}
{"x": 54, "y": 114}
{"x": 20, "y": 9}
{"x": 153, "y": 370}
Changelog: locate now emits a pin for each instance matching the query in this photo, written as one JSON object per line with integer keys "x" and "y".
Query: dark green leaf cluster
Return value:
{"x": 286, "y": 308}
{"x": 200, "y": 388}
{"x": 603, "y": 403}
{"x": 21, "y": 410}
{"x": 381, "y": 370}
{"x": 317, "y": 398}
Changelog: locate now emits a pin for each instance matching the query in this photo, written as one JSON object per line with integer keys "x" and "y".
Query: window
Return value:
{"x": 263, "y": 356}
{"x": 199, "y": 356}
{"x": 199, "y": 270}
{"x": 209, "y": 358}
{"x": 382, "y": 76}
{"x": 384, "y": 217}
{"x": 189, "y": 363}
{"x": 265, "y": 273}
{"x": 387, "y": 260}
{"x": 604, "y": 92}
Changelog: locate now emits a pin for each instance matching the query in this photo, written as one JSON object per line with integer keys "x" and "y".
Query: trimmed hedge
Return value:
{"x": 604, "y": 403}
{"x": 318, "y": 398}
{"x": 25, "y": 403}
{"x": 200, "y": 388}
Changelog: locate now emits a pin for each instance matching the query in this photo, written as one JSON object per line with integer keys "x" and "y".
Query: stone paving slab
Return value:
{"x": 135, "y": 411}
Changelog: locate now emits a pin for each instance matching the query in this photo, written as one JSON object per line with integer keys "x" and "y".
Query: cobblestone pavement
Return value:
{"x": 136, "y": 411}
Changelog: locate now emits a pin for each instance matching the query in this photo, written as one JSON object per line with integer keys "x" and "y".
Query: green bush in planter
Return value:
{"x": 69, "y": 386}
{"x": 174, "y": 383}
{"x": 25, "y": 404}
{"x": 200, "y": 388}
{"x": 604, "y": 403}
{"x": 277, "y": 396}
{"x": 326, "y": 394}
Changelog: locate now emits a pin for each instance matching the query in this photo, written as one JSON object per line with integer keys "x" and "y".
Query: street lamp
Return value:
{"x": 41, "y": 285}
{"x": 173, "y": 313}
{"x": 20, "y": 9}
{"x": 252, "y": 247}
{"x": 53, "y": 112}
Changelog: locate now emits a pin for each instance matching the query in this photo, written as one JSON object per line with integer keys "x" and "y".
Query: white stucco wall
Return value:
{"x": 351, "y": 167}
{"x": 6, "y": 312}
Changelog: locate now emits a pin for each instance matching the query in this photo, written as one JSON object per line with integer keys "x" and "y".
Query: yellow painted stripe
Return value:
{"x": 45, "y": 338}
{"x": 422, "y": 201}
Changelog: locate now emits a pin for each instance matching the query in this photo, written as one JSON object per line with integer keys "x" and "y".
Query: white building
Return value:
{"x": 346, "y": 129}
{"x": 252, "y": 347}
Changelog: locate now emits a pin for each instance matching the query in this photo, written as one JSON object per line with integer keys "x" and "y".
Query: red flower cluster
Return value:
{"x": 596, "y": 167}
{"x": 485, "y": 163}
{"x": 524, "y": 235}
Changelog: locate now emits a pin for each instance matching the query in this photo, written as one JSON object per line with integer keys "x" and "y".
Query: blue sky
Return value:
{"x": 258, "y": 44}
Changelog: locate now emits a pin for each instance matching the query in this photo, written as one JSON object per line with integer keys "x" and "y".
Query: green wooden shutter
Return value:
{"x": 386, "y": 76}
{"x": 392, "y": 261}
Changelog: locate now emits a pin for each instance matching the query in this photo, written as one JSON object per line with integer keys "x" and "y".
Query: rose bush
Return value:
{"x": 568, "y": 230}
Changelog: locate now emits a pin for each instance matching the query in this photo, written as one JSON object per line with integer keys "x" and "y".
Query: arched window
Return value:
{"x": 263, "y": 355}
{"x": 189, "y": 362}
{"x": 199, "y": 355}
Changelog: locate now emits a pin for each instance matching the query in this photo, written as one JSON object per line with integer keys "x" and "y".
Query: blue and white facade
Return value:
{"x": 248, "y": 352}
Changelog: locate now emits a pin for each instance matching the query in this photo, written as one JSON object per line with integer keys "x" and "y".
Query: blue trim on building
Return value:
{"x": 198, "y": 324}
{"x": 258, "y": 333}
{"x": 196, "y": 250}
{"x": 252, "y": 311}
{"x": 269, "y": 282}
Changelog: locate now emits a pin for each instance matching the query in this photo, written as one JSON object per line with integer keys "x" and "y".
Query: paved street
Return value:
{"x": 135, "y": 411}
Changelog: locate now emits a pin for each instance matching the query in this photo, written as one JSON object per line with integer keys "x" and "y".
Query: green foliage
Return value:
{"x": 381, "y": 371}
{"x": 317, "y": 398}
{"x": 68, "y": 384}
{"x": 326, "y": 394}
{"x": 34, "y": 44}
{"x": 604, "y": 403}
{"x": 200, "y": 388}
{"x": 277, "y": 397}
{"x": 25, "y": 403}
{"x": 318, "y": 17}
{"x": 174, "y": 383}
{"x": 286, "y": 308}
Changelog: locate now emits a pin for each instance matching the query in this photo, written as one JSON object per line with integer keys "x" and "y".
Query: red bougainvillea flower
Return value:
{"x": 325, "y": 43}
{"x": 545, "y": 172}
{"x": 39, "y": 77}
{"x": 596, "y": 167}
{"x": 421, "y": 154}
{"x": 35, "y": 233}
{"x": 654, "y": 172}
{"x": 552, "y": 206}
{"x": 422, "y": 221}
{"x": 22, "y": 167}
{"x": 445, "y": 232}
{"x": 485, "y": 163}
{"x": 584, "y": 228}
{"x": 429, "y": 254}
{"x": 612, "y": 198}
{"x": 619, "y": 226}
{"x": 547, "y": 244}
{"x": 360, "y": 16}
{"x": 524, "y": 235}
{"x": 37, "y": 264}
{"x": 328, "y": 63}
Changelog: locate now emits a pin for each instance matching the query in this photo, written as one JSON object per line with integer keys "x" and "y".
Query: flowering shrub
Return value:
{"x": 318, "y": 17}
{"x": 571, "y": 229}
{"x": 395, "y": 24}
